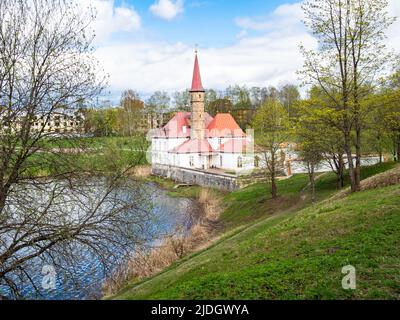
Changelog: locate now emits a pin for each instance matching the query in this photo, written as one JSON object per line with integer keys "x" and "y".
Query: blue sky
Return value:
{"x": 206, "y": 22}
{"x": 148, "y": 45}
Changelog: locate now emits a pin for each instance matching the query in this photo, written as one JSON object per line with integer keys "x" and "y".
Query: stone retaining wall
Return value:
{"x": 197, "y": 177}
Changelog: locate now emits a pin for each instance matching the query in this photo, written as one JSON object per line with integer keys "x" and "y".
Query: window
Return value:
{"x": 257, "y": 161}
{"x": 221, "y": 161}
{"x": 240, "y": 162}
{"x": 191, "y": 161}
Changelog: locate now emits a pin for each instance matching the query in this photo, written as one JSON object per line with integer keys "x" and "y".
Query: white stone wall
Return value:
{"x": 300, "y": 167}
{"x": 161, "y": 148}
{"x": 230, "y": 161}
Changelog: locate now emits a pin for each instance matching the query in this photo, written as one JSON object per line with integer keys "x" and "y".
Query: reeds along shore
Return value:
{"x": 147, "y": 263}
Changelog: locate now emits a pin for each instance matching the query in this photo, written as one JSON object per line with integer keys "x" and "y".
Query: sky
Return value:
{"x": 148, "y": 45}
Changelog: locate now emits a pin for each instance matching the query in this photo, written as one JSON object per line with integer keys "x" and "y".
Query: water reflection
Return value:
{"x": 167, "y": 214}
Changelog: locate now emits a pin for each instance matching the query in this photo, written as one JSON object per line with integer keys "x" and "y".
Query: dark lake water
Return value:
{"x": 169, "y": 213}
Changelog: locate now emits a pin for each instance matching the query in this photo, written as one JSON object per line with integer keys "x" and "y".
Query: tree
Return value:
{"x": 182, "y": 100}
{"x": 132, "y": 113}
{"x": 351, "y": 54}
{"x": 240, "y": 97}
{"x": 159, "y": 102}
{"x": 210, "y": 97}
{"x": 51, "y": 205}
{"x": 288, "y": 95}
{"x": 312, "y": 156}
{"x": 220, "y": 106}
{"x": 271, "y": 125}
{"x": 312, "y": 141}
{"x": 315, "y": 121}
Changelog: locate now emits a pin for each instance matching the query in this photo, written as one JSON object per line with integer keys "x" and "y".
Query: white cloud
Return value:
{"x": 284, "y": 17}
{"x": 266, "y": 52}
{"x": 167, "y": 9}
{"x": 112, "y": 19}
{"x": 393, "y": 34}
{"x": 269, "y": 58}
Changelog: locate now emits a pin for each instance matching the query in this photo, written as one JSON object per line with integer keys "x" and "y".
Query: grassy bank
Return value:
{"x": 81, "y": 155}
{"x": 291, "y": 249}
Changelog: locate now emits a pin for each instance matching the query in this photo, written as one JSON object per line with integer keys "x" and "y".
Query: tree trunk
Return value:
{"x": 341, "y": 168}
{"x": 274, "y": 188}
{"x": 347, "y": 147}
{"x": 398, "y": 148}
{"x": 357, "y": 171}
{"x": 312, "y": 182}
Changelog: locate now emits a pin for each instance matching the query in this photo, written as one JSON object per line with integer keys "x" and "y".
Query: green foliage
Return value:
{"x": 295, "y": 254}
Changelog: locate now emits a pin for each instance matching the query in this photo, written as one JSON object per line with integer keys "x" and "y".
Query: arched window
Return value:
{"x": 240, "y": 162}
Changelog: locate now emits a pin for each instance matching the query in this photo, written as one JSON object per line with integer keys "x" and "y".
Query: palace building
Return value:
{"x": 195, "y": 140}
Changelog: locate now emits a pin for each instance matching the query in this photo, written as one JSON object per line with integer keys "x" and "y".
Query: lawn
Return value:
{"x": 128, "y": 143}
{"x": 96, "y": 155}
{"x": 296, "y": 252}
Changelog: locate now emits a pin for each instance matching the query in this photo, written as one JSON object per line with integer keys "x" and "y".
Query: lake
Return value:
{"x": 169, "y": 214}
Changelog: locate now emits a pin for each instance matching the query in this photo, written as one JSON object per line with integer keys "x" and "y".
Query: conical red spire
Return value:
{"x": 196, "y": 83}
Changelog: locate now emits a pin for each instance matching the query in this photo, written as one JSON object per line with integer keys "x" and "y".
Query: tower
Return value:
{"x": 197, "y": 98}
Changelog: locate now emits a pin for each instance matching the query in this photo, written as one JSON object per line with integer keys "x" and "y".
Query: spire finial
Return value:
{"x": 196, "y": 50}
{"x": 196, "y": 83}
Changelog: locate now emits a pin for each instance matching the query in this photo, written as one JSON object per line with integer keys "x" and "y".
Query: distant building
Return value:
{"x": 195, "y": 140}
{"x": 59, "y": 123}
{"x": 56, "y": 123}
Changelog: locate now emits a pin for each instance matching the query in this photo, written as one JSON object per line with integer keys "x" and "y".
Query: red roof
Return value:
{"x": 209, "y": 119}
{"x": 175, "y": 128}
{"x": 234, "y": 146}
{"x": 197, "y": 86}
{"x": 224, "y": 125}
{"x": 194, "y": 146}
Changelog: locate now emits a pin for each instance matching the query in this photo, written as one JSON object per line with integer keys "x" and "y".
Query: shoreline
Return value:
{"x": 203, "y": 233}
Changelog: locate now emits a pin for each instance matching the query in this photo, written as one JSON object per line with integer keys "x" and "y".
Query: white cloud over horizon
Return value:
{"x": 167, "y": 9}
{"x": 266, "y": 52}
{"x": 270, "y": 58}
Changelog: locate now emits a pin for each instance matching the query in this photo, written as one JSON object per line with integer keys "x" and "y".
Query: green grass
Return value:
{"x": 297, "y": 252}
{"x": 97, "y": 142}
{"x": 99, "y": 155}
{"x": 254, "y": 202}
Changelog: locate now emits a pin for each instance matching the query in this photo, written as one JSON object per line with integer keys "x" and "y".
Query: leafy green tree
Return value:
{"x": 315, "y": 113}
{"x": 350, "y": 54}
{"x": 289, "y": 95}
{"x": 182, "y": 100}
{"x": 271, "y": 125}
{"x": 220, "y": 106}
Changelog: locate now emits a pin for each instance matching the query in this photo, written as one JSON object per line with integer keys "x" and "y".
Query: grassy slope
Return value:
{"x": 295, "y": 253}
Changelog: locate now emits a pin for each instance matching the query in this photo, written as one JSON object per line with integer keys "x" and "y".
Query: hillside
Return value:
{"x": 291, "y": 249}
